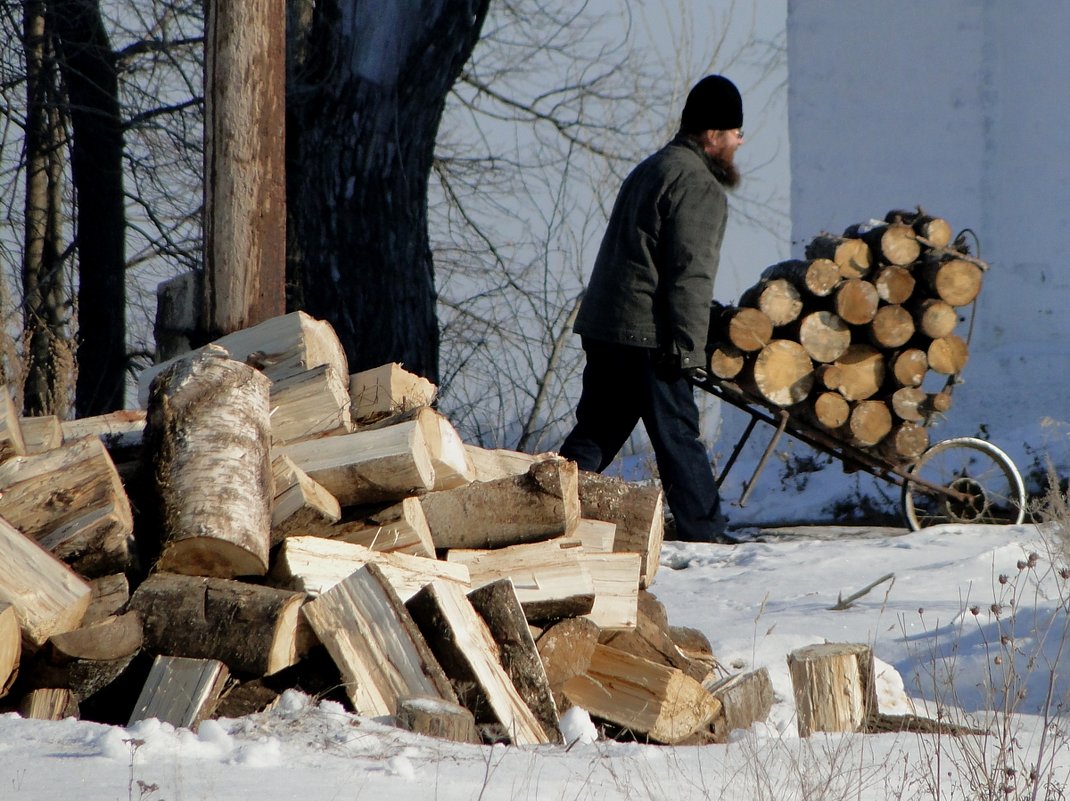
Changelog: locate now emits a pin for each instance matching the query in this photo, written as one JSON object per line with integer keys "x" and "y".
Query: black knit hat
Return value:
{"x": 713, "y": 104}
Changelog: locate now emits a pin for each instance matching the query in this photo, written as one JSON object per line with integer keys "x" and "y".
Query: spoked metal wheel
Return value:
{"x": 963, "y": 480}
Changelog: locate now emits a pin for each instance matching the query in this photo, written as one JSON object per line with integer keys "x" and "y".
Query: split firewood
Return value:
{"x": 851, "y": 255}
{"x": 894, "y": 283}
{"x": 377, "y": 647}
{"x": 783, "y": 373}
{"x": 309, "y": 404}
{"x": 746, "y": 699}
{"x": 778, "y": 299}
{"x": 387, "y": 390}
{"x": 814, "y": 276}
{"x": 616, "y": 588}
{"x": 41, "y": 434}
{"x": 637, "y": 511}
{"x": 565, "y": 649}
{"x": 12, "y": 442}
{"x": 856, "y": 301}
{"x": 48, "y": 597}
{"x": 650, "y": 639}
{"x": 490, "y": 464}
{"x": 596, "y": 536}
{"x": 71, "y": 501}
{"x": 465, "y": 647}
{"x": 643, "y": 696}
{"x": 51, "y": 703}
{"x": 450, "y": 459}
{"x": 398, "y": 528}
{"x": 538, "y": 505}
{"x": 252, "y": 629}
{"x": 10, "y": 646}
{"x": 180, "y": 691}
{"x": 834, "y": 687}
{"x": 208, "y": 433}
{"x": 122, "y": 433}
{"x": 279, "y": 347}
{"x": 301, "y": 505}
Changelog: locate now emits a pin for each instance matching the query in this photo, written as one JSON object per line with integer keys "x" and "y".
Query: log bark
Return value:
{"x": 47, "y": 595}
{"x": 541, "y": 504}
{"x": 435, "y": 717}
{"x": 746, "y": 699}
{"x": 783, "y": 373}
{"x": 892, "y": 327}
{"x": 72, "y": 502}
{"x": 642, "y": 696}
{"x": 833, "y": 686}
{"x": 208, "y": 433}
{"x": 253, "y": 630}
{"x": 497, "y": 603}
{"x": 637, "y": 511}
{"x": 851, "y": 255}
{"x": 465, "y": 648}
{"x": 372, "y": 466}
{"x": 856, "y": 301}
{"x": 378, "y": 648}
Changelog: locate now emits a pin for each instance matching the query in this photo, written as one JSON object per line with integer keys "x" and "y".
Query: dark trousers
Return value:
{"x": 623, "y": 385}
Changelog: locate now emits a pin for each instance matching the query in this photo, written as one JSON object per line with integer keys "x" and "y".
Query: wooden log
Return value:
{"x": 893, "y": 243}
{"x": 909, "y": 367}
{"x": 107, "y": 640}
{"x": 894, "y": 284}
{"x": 954, "y": 280}
{"x": 939, "y": 402}
{"x": 778, "y": 299}
{"x": 122, "y": 433}
{"x": 279, "y": 347}
{"x": 550, "y": 578}
{"x": 933, "y": 317}
{"x": 783, "y": 372}
{"x": 870, "y": 422}
{"x": 816, "y": 277}
{"x": 500, "y": 607}
{"x": 12, "y": 442}
{"x": 437, "y": 718}
{"x": 905, "y": 442}
{"x": 179, "y": 301}
{"x": 833, "y": 686}
{"x": 48, "y": 597}
{"x": 387, "y": 390}
{"x": 566, "y": 649}
{"x": 453, "y": 467}
{"x": 934, "y": 231}
{"x": 541, "y": 504}
{"x": 650, "y": 639}
{"x": 398, "y": 528}
{"x": 891, "y": 327}
{"x": 746, "y": 699}
{"x": 253, "y": 630}
{"x": 310, "y": 404}
{"x": 856, "y": 375}
{"x": 856, "y": 301}
{"x": 595, "y": 536}
{"x": 41, "y": 434}
{"x": 465, "y": 648}
{"x": 180, "y": 691}
{"x": 642, "y": 696}
{"x": 208, "y": 433}
{"x": 71, "y": 501}
{"x": 831, "y": 410}
{"x": 491, "y": 464}
{"x": 638, "y": 512}
{"x": 371, "y": 466}
{"x": 110, "y": 594}
{"x": 10, "y": 646}
{"x": 947, "y": 355}
{"x": 49, "y": 703}
{"x": 851, "y": 255}
{"x": 908, "y": 403}
{"x": 379, "y": 650}
{"x": 726, "y": 361}
{"x": 824, "y": 335}
{"x": 747, "y": 329}
{"x": 314, "y": 565}
{"x": 616, "y": 588}
{"x": 300, "y": 504}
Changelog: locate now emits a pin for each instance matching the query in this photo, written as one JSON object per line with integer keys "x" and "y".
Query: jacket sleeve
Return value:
{"x": 692, "y": 232}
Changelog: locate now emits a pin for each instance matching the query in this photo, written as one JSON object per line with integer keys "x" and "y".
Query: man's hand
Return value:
{"x": 696, "y": 375}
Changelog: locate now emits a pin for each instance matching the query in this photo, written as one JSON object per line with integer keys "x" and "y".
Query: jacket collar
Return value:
{"x": 683, "y": 140}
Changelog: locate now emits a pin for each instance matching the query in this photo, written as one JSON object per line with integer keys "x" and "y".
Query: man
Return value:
{"x": 645, "y": 314}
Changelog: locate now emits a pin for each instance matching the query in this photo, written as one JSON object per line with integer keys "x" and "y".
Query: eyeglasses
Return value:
{"x": 739, "y": 133}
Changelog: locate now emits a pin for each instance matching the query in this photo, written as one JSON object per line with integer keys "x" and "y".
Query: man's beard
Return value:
{"x": 725, "y": 171}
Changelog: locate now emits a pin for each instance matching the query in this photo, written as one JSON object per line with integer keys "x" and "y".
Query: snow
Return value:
{"x": 935, "y": 627}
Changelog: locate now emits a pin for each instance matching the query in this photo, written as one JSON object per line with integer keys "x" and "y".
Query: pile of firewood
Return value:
{"x": 271, "y": 522}
{"x": 860, "y": 337}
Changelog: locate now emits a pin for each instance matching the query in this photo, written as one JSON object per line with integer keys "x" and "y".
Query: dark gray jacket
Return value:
{"x": 652, "y": 281}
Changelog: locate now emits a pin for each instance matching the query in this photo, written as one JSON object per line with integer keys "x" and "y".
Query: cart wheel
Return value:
{"x": 981, "y": 485}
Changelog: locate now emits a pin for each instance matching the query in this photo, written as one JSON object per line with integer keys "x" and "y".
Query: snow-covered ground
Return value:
{"x": 948, "y": 632}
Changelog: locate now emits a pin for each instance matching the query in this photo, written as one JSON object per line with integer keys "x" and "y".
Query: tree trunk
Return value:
{"x": 245, "y": 195}
{"x": 364, "y": 106}
{"x": 89, "y": 72}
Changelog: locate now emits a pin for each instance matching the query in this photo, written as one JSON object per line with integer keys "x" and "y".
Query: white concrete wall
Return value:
{"x": 959, "y": 106}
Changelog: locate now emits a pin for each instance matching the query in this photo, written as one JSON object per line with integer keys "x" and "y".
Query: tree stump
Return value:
{"x": 834, "y": 687}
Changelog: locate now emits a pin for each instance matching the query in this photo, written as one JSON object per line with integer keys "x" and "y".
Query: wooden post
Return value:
{"x": 245, "y": 188}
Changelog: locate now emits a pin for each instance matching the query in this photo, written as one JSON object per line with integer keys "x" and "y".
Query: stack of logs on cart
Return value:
{"x": 271, "y": 522}
{"x": 862, "y": 338}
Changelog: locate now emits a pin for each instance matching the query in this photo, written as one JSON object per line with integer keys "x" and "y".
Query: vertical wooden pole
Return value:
{"x": 245, "y": 192}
